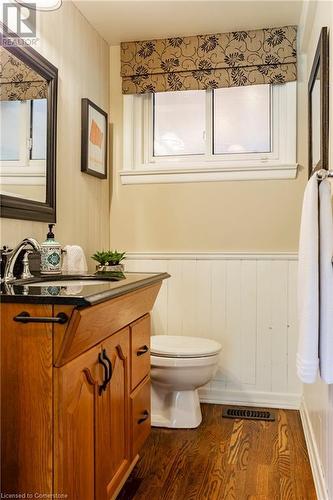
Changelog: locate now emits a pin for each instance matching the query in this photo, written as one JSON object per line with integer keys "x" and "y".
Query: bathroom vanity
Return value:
{"x": 75, "y": 388}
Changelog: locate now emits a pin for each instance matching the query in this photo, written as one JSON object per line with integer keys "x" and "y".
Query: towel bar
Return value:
{"x": 322, "y": 174}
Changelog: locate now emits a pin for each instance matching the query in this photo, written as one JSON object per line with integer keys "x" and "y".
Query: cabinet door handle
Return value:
{"x": 24, "y": 317}
{"x": 142, "y": 350}
{"x": 108, "y": 361}
{"x": 144, "y": 417}
{"x": 102, "y": 387}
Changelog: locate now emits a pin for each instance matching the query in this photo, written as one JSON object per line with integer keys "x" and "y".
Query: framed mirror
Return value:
{"x": 28, "y": 125}
{"x": 318, "y": 102}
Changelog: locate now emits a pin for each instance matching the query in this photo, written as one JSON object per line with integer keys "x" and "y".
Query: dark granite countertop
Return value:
{"x": 83, "y": 294}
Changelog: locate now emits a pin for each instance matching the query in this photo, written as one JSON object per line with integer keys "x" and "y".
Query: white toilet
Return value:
{"x": 179, "y": 366}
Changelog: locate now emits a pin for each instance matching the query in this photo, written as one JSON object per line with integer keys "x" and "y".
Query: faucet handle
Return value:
{"x": 5, "y": 250}
{"x": 26, "y": 274}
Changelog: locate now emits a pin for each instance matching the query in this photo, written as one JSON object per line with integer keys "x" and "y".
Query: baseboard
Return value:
{"x": 250, "y": 398}
{"x": 316, "y": 466}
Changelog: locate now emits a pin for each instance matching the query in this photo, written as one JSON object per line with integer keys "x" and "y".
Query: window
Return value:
{"x": 179, "y": 123}
{"x": 10, "y": 147}
{"x": 23, "y": 131}
{"x": 38, "y": 132}
{"x": 242, "y": 120}
{"x": 229, "y": 133}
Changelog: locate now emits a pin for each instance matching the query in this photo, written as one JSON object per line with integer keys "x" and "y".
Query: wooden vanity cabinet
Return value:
{"x": 74, "y": 444}
{"x": 140, "y": 416}
{"x": 85, "y": 417}
{"x": 26, "y": 401}
{"x": 93, "y": 450}
{"x": 140, "y": 350}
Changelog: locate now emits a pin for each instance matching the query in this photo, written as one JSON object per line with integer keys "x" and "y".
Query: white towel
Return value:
{"x": 308, "y": 286}
{"x": 74, "y": 260}
{"x": 326, "y": 283}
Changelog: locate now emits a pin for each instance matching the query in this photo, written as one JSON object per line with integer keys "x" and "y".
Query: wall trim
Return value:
{"x": 250, "y": 398}
{"x": 267, "y": 172}
{"x": 316, "y": 465}
{"x": 211, "y": 256}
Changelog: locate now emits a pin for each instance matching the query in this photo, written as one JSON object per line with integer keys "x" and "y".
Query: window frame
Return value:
{"x": 140, "y": 166}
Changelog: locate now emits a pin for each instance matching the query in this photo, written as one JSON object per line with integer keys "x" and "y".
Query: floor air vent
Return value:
{"x": 247, "y": 413}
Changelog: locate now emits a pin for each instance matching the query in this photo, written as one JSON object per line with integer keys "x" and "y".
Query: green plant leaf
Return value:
{"x": 109, "y": 257}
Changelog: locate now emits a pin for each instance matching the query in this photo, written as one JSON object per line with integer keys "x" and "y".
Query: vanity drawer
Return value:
{"x": 90, "y": 325}
{"x": 140, "y": 414}
{"x": 140, "y": 350}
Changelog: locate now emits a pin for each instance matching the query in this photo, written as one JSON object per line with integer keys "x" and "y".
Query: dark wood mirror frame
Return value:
{"x": 321, "y": 64}
{"x": 19, "y": 208}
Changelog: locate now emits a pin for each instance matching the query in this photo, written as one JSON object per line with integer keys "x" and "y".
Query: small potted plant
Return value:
{"x": 109, "y": 261}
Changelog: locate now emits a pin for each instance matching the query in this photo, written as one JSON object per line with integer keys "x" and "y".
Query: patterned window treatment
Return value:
{"x": 209, "y": 61}
{"x": 18, "y": 82}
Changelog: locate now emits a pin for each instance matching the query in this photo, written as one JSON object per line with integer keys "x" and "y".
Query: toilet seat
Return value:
{"x": 178, "y": 362}
{"x": 176, "y": 346}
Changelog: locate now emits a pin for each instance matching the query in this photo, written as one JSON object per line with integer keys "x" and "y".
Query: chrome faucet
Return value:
{"x": 12, "y": 257}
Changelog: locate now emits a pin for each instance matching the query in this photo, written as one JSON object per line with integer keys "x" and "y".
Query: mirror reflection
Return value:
{"x": 23, "y": 129}
{"x": 315, "y": 119}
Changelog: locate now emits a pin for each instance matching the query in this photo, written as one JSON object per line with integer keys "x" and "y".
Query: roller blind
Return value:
{"x": 210, "y": 61}
{"x": 18, "y": 82}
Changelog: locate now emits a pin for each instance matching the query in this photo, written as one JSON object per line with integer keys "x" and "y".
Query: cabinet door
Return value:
{"x": 26, "y": 401}
{"x": 76, "y": 393}
{"x": 112, "y": 418}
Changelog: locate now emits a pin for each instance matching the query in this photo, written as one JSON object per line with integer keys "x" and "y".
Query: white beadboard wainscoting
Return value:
{"x": 247, "y": 302}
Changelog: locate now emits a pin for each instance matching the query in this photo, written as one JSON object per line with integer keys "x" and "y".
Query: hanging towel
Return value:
{"x": 326, "y": 282}
{"x": 74, "y": 260}
{"x": 308, "y": 286}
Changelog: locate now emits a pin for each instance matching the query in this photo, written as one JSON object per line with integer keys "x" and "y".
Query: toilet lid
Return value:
{"x": 175, "y": 346}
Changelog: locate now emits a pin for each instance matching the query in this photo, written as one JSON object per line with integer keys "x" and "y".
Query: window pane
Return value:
{"x": 39, "y": 115}
{"x": 242, "y": 119}
{"x": 179, "y": 123}
{"x": 10, "y": 130}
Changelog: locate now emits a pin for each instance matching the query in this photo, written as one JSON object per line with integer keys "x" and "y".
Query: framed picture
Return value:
{"x": 318, "y": 95}
{"x": 94, "y": 138}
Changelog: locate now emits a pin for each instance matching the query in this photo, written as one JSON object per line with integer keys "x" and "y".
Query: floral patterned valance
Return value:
{"x": 23, "y": 91}
{"x": 209, "y": 61}
{"x": 18, "y": 82}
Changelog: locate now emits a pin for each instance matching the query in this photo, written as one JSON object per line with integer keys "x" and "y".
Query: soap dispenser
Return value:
{"x": 50, "y": 254}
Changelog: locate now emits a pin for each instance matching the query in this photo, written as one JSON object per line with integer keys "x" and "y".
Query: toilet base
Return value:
{"x": 175, "y": 409}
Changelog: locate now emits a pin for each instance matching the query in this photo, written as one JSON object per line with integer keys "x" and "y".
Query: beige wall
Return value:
{"x": 82, "y": 57}
{"x": 319, "y": 396}
{"x": 30, "y": 191}
{"x": 249, "y": 216}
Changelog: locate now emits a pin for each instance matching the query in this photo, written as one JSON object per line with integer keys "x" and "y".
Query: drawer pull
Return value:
{"x": 144, "y": 418}
{"x": 142, "y": 350}
{"x": 24, "y": 317}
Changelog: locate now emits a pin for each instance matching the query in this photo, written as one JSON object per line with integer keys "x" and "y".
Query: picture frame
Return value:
{"x": 94, "y": 139}
{"x": 318, "y": 107}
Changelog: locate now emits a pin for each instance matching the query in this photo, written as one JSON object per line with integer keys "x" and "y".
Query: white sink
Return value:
{"x": 63, "y": 283}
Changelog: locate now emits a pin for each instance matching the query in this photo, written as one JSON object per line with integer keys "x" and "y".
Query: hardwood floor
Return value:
{"x": 225, "y": 459}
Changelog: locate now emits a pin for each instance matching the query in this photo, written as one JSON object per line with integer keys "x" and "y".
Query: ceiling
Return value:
{"x": 122, "y": 20}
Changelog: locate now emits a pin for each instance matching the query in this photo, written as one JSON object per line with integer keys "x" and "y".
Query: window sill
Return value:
{"x": 241, "y": 173}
